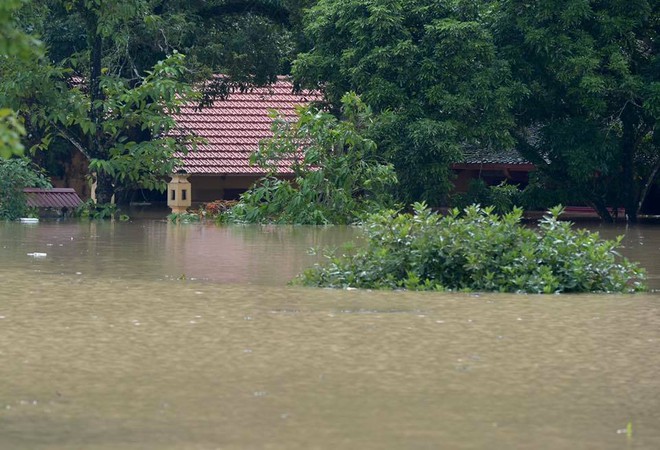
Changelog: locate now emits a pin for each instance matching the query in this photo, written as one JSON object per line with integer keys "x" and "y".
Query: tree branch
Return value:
{"x": 647, "y": 185}
{"x": 66, "y": 135}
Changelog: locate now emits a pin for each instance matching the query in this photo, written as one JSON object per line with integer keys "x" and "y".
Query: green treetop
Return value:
{"x": 592, "y": 69}
{"x": 430, "y": 71}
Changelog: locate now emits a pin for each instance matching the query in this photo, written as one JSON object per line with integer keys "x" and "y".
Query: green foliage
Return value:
{"x": 13, "y": 41}
{"x": 592, "y": 69}
{"x": 11, "y": 130}
{"x": 125, "y": 132}
{"x": 98, "y": 211}
{"x": 16, "y": 174}
{"x": 185, "y": 217}
{"x": 249, "y": 42}
{"x": 14, "y": 44}
{"x": 336, "y": 179}
{"x": 429, "y": 69}
{"x": 478, "y": 251}
{"x": 503, "y": 197}
{"x": 542, "y": 193}
{"x": 147, "y": 107}
{"x": 115, "y": 74}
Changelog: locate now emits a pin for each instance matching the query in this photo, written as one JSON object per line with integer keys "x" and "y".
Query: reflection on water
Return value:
{"x": 104, "y": 347}
{"x": 160, "y": 250}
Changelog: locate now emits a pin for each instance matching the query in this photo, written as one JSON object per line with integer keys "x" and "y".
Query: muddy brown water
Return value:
{"x": 148, "y": 335}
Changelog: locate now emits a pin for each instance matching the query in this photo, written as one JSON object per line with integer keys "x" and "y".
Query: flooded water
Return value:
{"x": 149, "y": 335}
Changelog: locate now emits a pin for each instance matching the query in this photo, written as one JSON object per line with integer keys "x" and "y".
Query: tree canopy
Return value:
{"x": 428, "y": 68}
{"x": 114, "y": 73}
{"x": 14, "y": 44}
{"x": 592, "y": 69}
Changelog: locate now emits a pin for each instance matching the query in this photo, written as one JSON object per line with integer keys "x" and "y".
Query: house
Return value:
{"x": 232, "y": 129}
{"x": 493, "y": 167}
{"x": 56, "y": 201}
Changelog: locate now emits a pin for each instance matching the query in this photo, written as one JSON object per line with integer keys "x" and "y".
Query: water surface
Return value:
{"x": 149, "y": 335}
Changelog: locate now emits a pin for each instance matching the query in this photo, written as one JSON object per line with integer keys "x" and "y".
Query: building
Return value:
{"x": 232, "y": 129}
{"x": 493, "y": 167}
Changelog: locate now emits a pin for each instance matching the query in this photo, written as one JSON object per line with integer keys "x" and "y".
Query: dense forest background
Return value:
{"x": 573, "y": 85}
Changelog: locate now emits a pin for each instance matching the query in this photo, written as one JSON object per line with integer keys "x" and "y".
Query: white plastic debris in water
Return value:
{"x": 38, "y": 255}
{"x": 29, "y": 220}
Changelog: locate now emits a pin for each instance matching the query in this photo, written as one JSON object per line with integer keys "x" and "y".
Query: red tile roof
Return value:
{"x": 233, "y": 128}
{"x": 52, "y": 198}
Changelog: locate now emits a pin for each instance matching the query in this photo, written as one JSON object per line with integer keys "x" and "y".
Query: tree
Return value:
{"x": 120, "y": 125}
{"x": 592, "y": 69}
{"x": 18, "y": 45}
{"x": 115, "y": 74}
{"x": 430, "y": 71}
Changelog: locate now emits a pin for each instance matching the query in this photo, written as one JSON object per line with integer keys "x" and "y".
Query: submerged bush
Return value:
{"x": 96, "y": 211}
{"x": 185, "y": 217}
{"x": 479, "y": 251}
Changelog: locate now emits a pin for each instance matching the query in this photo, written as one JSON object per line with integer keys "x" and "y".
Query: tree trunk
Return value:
{"x": 104, "y": 182}
{"x": 629, "y": 118}
{"x": 602, "y": 211}
{"x": 647, "y": 185}
{"x": 104, "y": 188}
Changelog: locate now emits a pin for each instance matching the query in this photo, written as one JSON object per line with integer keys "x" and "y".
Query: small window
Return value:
{"x": 173, "y": 196}
{"x": 184, "y": 194}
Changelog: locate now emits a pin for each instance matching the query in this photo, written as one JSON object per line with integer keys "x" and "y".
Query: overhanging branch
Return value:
{"x": 66, "y": 135}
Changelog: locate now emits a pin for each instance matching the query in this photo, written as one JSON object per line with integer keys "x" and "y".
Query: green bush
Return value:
{"x": 16, "y": 174}
{"x": 185, "y": 217}
{"x": 97, "y": 211}
{"x": 478, "y": 250}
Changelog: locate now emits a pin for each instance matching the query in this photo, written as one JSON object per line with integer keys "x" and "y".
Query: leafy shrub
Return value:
{"x": 217, "y": 207}
{"x": 16, "y": 174}
{"x": 185, "y": 217}
{"x": 481, "y": 251}
{"x": 11, "y": 130}
{"x": 98, "y": 211}
{"x": 336, "y": 175}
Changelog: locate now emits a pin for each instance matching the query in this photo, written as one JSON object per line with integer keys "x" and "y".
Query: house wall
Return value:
{"x": 207, "y": 188}
{"x": 74, "y": 175}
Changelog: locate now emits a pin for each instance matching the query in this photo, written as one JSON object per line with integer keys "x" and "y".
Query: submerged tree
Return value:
{"x": 593, "y": 73}
{"x": 477, "y": 250}
{"x": 430, "y": 71}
